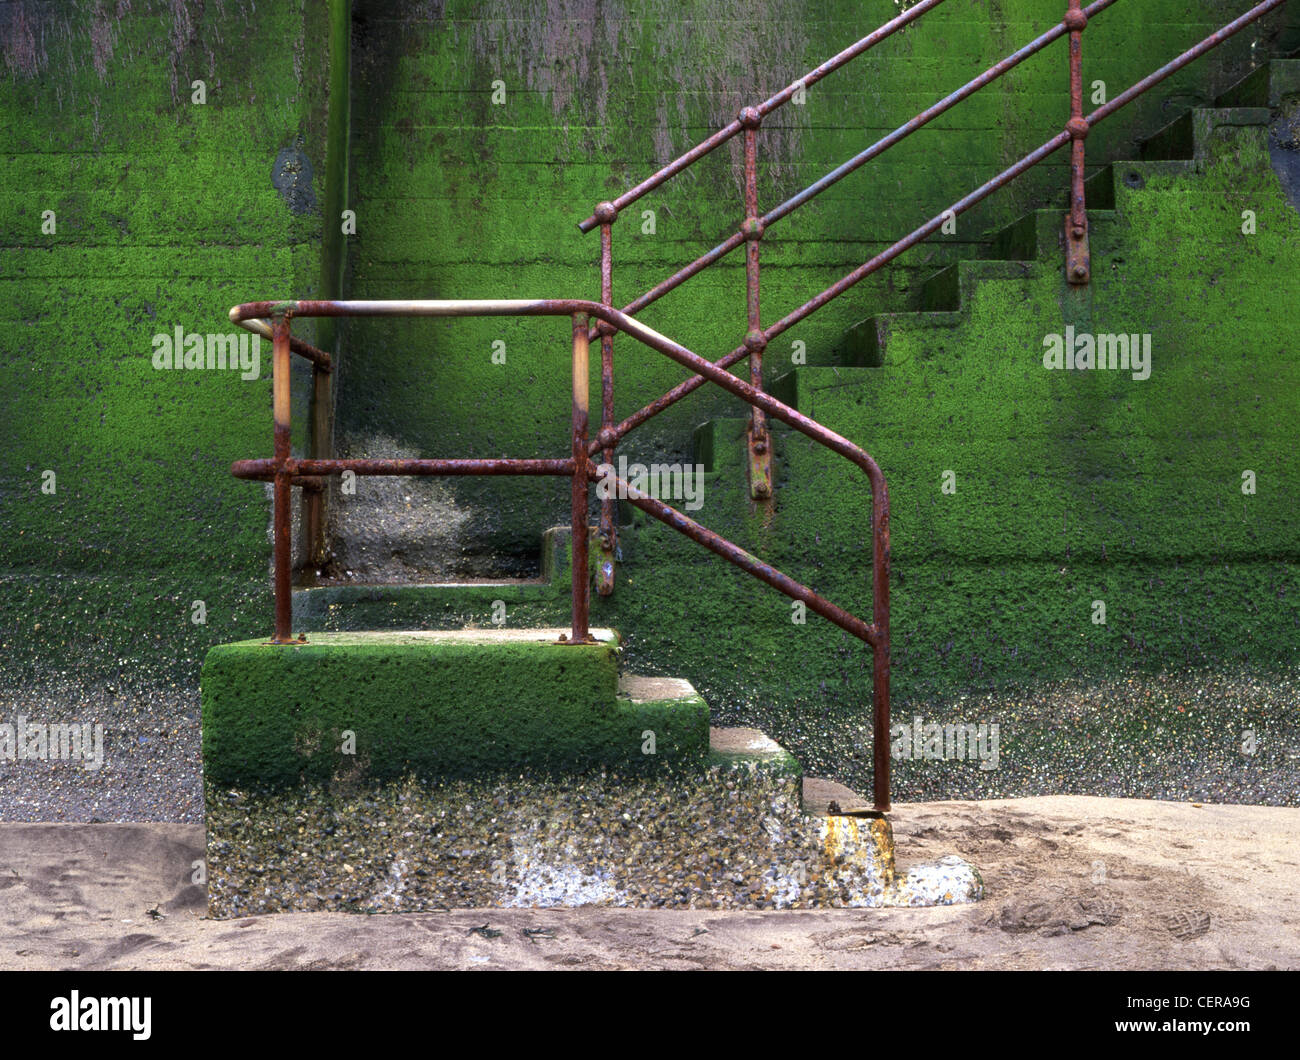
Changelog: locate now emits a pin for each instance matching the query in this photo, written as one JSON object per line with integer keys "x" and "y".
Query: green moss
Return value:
{"x": 166, "y": 216}
{"x": 432, "y": 706}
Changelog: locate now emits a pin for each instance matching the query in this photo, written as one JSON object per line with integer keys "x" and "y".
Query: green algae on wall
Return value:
{"x": 166, "y": 213}
{"x": 483, "y": 135}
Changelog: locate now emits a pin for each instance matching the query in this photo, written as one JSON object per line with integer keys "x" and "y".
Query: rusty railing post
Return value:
{"x": 880, "y": 649}
{"x": 758, "y": 439}
{"x": 607, "y": 214}
{"x": 283, "y": 557}
{"x": 581, "y": 576}
{"x": 1078, "y": 259}
{"x": 313, "y": 496}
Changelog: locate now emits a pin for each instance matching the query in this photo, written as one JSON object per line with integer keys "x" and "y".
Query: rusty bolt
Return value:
{"x": 1078, "y": 231}
{"x": 606, "y": 213}
{"x": 1075, "y": 20}
{"x": 760, "y": 446}
{"x": 750, "y": 118}
{"x": 1078, "y": 128}
{"x": 1080, "y": 272}
{"x": 762, "y": 489}
{"x": 755, "y": 341}
{"x": 752, "y": 229}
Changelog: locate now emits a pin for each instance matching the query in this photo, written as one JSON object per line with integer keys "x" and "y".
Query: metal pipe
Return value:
{"x": 608, "y": 505}
{"x": 581, "y": 576}
{"x": 764, "y": 572}
{"x": 280, "y": 515}
{"x": 410, "y": 307}
{"x": 319, "y": 358}
{"x": 766, "y": 107}
{"x": 753, "y": 237}
{"x": 757, "y": 441}
{"x": 264, "y": 470}
{"x": 313, "y": 504}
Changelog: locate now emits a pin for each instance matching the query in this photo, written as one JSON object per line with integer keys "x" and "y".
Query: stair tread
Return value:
{"x": 646, "y": 689}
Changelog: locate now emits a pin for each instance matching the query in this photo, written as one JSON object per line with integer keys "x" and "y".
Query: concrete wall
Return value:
{"x": 167, "y": 212}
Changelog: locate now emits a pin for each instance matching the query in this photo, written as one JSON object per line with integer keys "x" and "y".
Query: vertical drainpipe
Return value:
{"x": 333, "y": 261}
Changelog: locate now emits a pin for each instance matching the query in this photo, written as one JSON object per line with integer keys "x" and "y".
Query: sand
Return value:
{"x": 1072, "y": 882}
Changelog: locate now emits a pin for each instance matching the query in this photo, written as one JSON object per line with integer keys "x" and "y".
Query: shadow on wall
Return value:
{"x": 1284, "y": 148}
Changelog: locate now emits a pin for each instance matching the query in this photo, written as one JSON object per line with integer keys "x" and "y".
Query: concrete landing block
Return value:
{"x": 345, "y": 707}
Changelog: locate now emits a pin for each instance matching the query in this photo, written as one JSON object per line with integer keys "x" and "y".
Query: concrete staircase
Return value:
{"x": 1177, "y": 148}
{"x": 454, "y": 704}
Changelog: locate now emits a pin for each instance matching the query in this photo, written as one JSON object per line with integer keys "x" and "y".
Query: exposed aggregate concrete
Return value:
{"x": 733, "y": 838}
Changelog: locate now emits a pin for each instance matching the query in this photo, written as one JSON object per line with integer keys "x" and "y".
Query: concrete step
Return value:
{"x": 1173, "y": 150}
{"x": 1266, "y": 86}
{"x": 741, "y": 746}
{"x": 1190, "y": 136}
{"x": 340, "y": 606}
{"x": 439, "y": 703}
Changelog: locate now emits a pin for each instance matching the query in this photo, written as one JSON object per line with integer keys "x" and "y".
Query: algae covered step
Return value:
{"x": 460, "y": 703}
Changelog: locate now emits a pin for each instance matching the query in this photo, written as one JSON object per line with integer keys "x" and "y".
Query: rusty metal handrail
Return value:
{"x": 752, "y": 229}
{"x": 836, "y": 175}
{"x": 286, "y": 472}
{"x": 766, "y": 107}
{"x": 748, "y": 121}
